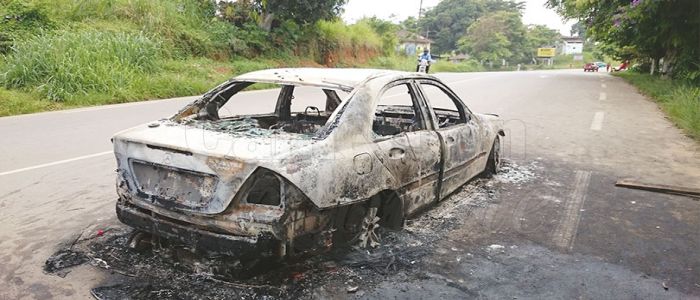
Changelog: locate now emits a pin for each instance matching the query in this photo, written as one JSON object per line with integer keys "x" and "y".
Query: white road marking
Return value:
{"x": 55, "y": 163}
{"x": 470, "y": 79}
{"x": 565, "y": 234}
{"x": 603, "y": 85}
{"x": 597, "y": 123}
{"x": 603, "y": 96}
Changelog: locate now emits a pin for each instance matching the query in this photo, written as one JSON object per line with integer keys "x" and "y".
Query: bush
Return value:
{"x": 466, "y": 66}
{"x": 184, "y": 26}
{"x": 684, "y": 107}
{"x": 398, "y": 62}
{"x": 62, "y": 64}
{"x": 20, "y": 19}
{"x": 335, "y": 36}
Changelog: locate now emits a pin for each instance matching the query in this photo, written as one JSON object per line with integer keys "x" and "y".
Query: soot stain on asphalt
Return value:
{"x": 172, "y": 271}
{"x": 61, "y": 262}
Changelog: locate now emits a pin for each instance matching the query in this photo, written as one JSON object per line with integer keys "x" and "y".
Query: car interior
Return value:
{"x": 297, "y": 109}
{"x": 396, "y": 112}
{"x": 305, "y": 110}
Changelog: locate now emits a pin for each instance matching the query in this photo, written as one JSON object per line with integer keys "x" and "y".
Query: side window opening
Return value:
{"x": 446, "y": 108}
{"x": 397, "y": 112}
{"x": 279, "y": 109}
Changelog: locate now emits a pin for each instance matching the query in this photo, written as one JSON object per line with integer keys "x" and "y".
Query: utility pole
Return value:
{"x": 420, "y": 9}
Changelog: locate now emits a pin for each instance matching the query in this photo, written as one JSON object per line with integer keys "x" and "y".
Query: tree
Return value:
{"x": 386, "y": 31}
{"x": 643, "y": 29}
{"x": 500, "y": 35}
{"x": 446, "y": 23}
{"x": 540, "y": 36}
{"x": 302, "y": 12}
{"x": 410, "y": 24}
{"x": 240, "y": 12}
{"x": 271, "y": 13}
{"x": 578, "y": 29}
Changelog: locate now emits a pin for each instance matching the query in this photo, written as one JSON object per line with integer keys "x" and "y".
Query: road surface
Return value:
{"x": 568, "y": 232}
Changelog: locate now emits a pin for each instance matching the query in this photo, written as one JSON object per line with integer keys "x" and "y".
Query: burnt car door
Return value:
{"x": 458, "y": 131}
{"x": 406, "y": 144}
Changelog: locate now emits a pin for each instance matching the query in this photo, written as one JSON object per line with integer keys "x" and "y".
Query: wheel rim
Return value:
{"x": 368, "y": 234}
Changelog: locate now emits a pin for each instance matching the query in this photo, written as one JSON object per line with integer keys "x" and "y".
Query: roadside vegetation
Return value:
{"x": 680, "y": 100}
{"x": 57, "y": 54}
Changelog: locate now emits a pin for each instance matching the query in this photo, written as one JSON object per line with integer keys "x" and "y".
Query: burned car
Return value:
{"x": 332, "y": 156}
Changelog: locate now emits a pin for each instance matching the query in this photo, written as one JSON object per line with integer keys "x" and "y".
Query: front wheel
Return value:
{"x": 493, "y": 165}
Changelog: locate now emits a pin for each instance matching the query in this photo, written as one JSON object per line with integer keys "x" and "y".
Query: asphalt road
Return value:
{"x": 580, "y": 131}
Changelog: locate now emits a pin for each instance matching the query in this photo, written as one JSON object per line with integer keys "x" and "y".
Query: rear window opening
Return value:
{"x": 301, "y": 110}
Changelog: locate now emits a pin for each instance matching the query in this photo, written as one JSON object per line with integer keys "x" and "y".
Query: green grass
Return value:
{"x": 66, "y": 65}
{"x": 17, "y": 102}
{"x": 680, "y": 100}
{"x": 446, "y": 66}
{"x": 174, "y": 78}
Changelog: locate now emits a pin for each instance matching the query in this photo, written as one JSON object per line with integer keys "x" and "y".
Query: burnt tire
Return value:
{"x": 493, "y": 165}
{"x": 359, "y": 225}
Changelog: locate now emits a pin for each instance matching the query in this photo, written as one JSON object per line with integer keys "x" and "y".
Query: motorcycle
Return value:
{"x": 423, "y": 66}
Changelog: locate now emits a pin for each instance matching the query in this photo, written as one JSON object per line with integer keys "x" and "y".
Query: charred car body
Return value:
{"x": 336, "y": 154}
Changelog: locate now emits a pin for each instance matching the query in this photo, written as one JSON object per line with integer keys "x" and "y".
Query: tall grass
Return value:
{"x": 187, "y": 27}
{"x": 63, "y": 64}
{"x": 680, "y": 100}
{"x": 338, "y": 35}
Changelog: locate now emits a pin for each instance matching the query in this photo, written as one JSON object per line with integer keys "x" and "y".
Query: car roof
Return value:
{"x": 345, "y": 78}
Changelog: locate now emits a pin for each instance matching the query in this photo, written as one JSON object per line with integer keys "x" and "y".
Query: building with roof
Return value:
{"x": 571, "y": 45}
{"x": 411, "y": 43}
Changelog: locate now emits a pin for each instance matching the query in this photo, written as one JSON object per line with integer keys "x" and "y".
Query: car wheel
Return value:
{"x": 368, "y": 232}
{"x": 493, "y": 165}
{"x": 360, "y": 225}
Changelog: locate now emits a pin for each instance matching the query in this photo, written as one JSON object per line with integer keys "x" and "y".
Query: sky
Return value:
{"x": 396, "y": 10}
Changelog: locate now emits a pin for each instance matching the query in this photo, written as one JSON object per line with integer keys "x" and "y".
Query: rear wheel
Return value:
{"x": 361, "y": 221}
{"x": 359, "y": 226}
{"x": 493, "y": 165}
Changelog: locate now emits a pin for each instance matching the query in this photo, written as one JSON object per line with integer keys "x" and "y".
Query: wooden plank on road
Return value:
{"x": 660, "y": 188}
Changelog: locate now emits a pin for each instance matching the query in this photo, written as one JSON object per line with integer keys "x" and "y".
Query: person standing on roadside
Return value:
{"x": 607, "y": 67}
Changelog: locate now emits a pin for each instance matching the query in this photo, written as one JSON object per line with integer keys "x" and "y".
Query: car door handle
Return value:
{"x": 450, "y": 139}
{"x": 396, "y": 153}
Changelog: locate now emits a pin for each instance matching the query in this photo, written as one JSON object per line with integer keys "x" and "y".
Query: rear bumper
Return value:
{"x": 203, "y": 240}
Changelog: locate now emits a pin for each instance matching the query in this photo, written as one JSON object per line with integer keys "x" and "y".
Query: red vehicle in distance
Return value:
{"x": 592, "y": 67}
